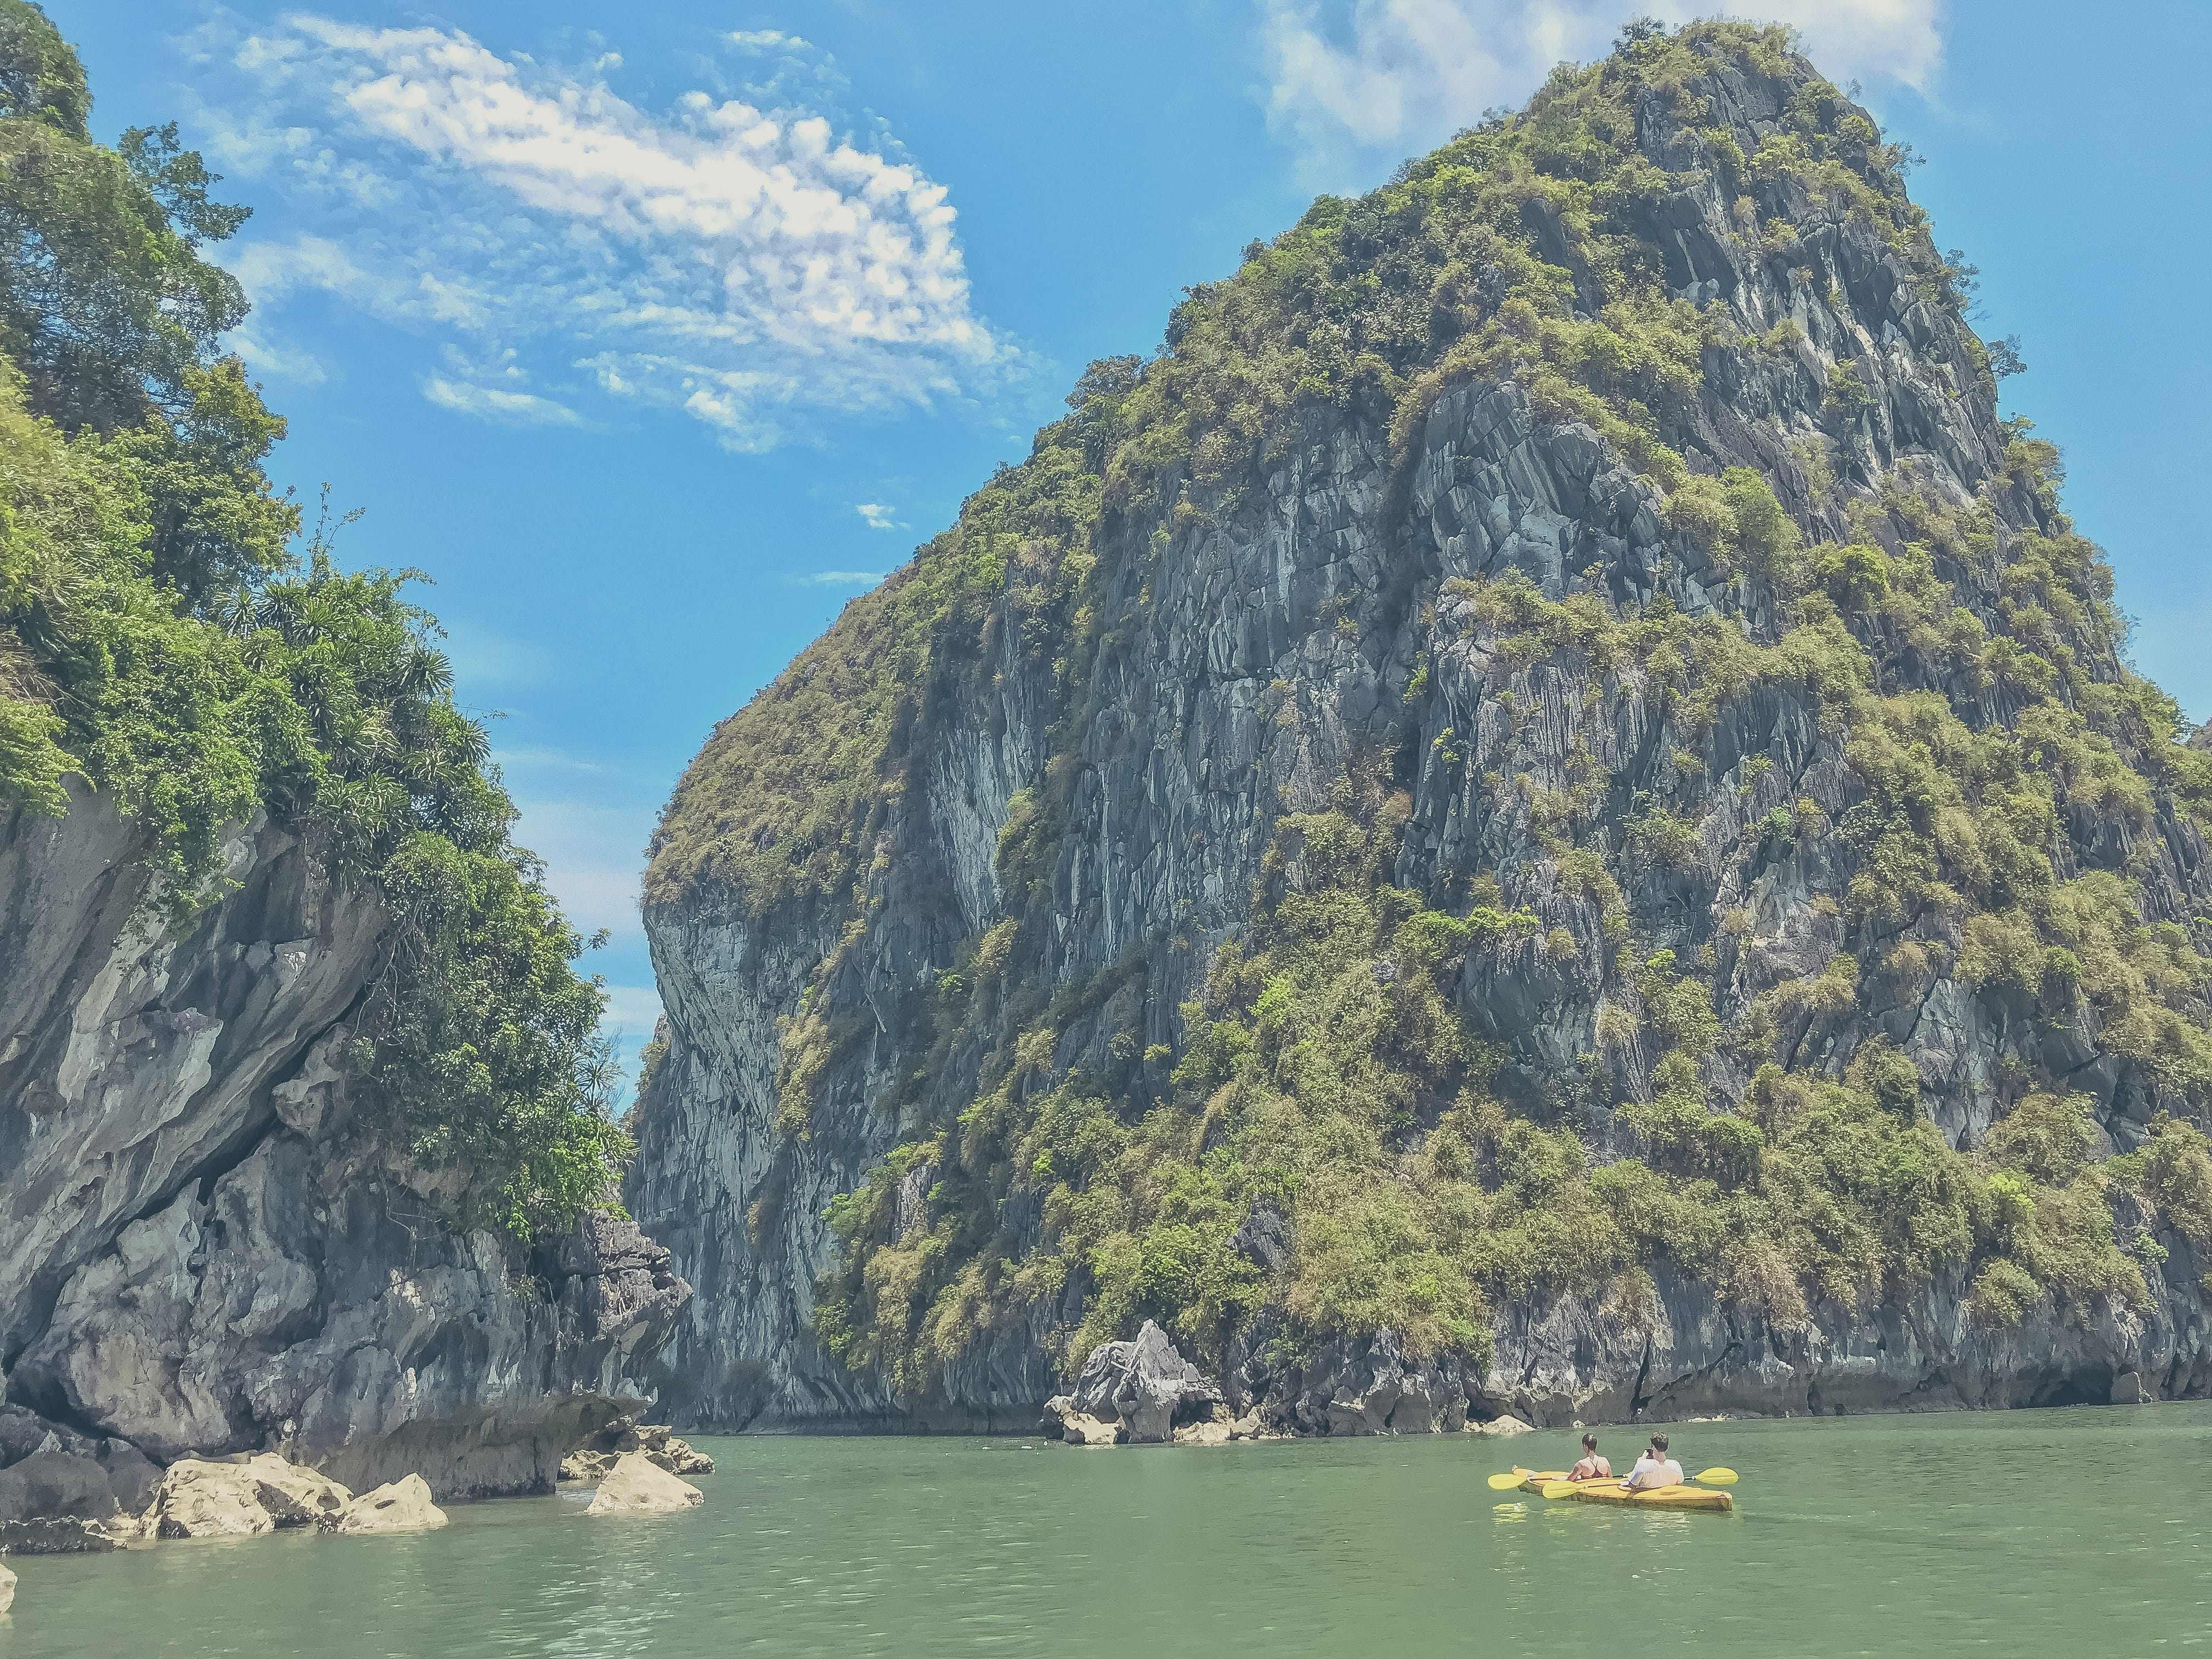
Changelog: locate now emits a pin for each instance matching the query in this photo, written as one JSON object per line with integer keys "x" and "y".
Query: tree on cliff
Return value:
{"x": 160, "y": 638}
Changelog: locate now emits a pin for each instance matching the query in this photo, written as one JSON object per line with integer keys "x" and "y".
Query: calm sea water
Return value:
{"x": 2070, "y": 1532}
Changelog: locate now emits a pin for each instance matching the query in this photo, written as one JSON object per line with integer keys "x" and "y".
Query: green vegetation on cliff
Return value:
{"x": 160, "y": 638}
{"x": 2007, "y": 814}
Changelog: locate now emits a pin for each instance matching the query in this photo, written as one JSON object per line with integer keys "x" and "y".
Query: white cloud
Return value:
{"x": 877, "y": 516}
{"x": 558, "y": 760}
{"x": 747, "y": 265}
{"x": 1402, "y": 75}
{"x": 495, "y": 402}
{"x": 766, "y": 40}
{"x": 632, "y": 1011}
{"x": 841, "y": 578}
{"x": 283, "y": 362}
{"x": 594, "y": 855}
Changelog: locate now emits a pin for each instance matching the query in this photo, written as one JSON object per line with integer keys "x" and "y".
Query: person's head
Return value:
{"x": 1659, "y": 1445}
{"x": 1590, "y": 1442}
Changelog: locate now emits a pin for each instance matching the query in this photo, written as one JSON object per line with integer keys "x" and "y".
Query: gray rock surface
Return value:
{"x": 1145, "y": 1386}
{"x": 203, "y": 1248}
{"x": 1252, "y": 648}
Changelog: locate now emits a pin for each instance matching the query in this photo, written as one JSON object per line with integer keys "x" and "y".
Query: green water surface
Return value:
{"x": 2065, "y": 1532}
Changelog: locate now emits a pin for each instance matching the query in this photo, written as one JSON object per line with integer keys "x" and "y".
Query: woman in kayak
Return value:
{"x": 1654, "y": 1468}
{"x": 1592, "y": 1468}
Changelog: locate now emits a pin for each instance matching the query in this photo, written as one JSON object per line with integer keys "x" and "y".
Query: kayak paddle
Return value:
{"x": 1558, "y": 1489}
{"x": 1505, "y": 1482}
{"x": 1715, "y": 1477}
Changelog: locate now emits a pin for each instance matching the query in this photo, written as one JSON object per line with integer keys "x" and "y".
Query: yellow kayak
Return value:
{"x": 1616, "y": 1491}
{"x": 1656, "y": 1497}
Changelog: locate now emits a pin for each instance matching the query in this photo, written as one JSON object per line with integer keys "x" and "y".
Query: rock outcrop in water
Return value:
{"x": 638, "y": 1486}
{"x": 1541, "y": 815}
{"x": 203, "y": 1255}
{"x": 402, "y": 1505}
{"x": 591, "y": 1460}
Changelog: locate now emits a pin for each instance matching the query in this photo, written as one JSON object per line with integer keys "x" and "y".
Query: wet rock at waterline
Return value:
{"x": 1505, "y": 1427}
{"x": 1081, "y": 1429}
{"x": 401, "y": 1506}
{"x": 197, "y": 1499}
{"x": 590, "y": 1461}
{"x": 65, "y": 1537}
{"x": 241, "y": 1495}
{"x": 1145, "y": 1386}
{"x": 637, "y": 1486}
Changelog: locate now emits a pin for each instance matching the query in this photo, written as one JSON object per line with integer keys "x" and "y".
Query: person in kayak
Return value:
{"x": 1592, "y": 1468}
{"x": 1654, "y": 1468}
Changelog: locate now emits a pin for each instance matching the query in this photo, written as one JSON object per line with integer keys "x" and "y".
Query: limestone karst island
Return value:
{"x": 1504, "y": 946}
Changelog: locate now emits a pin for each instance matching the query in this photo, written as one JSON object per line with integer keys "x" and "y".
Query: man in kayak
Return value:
{"x": 1654, "y": 1468}
{"x": 1592, "y": 1468}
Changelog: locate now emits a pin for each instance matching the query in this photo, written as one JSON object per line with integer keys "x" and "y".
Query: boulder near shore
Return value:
{"x": 402, "y": 1506}
{"x": 638, "y": 1486}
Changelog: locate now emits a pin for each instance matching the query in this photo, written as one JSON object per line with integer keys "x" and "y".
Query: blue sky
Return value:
{"x": 655, "y": 333}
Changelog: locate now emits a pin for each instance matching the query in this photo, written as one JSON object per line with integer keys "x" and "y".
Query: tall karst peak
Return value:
{"x": 1541, "y": 812}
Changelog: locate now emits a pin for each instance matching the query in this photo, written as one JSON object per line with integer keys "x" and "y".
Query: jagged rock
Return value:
{"x": 589, "y": 1467}
{"x": 1081, "y": 1429}
{"x": 1145, "y": 1384}
{"x": 403, "y": 1505}
{"x": 1507, "y": 1426}
{"x": 23, "y": 1432}
{"x": 239, "y": 1496}
{"x": 637, "y": 1486}
{"x": 295, "y": 1497}
{"x": 196, "y": 1256}
{"x": 62, "y": 1537}
{"x": 591, "y": 1460}
{"x": 1264, "y": 1239}
{"x": 55, "y": 1484}
{"x": 1212, "y": 1431}
{"x": 199, "y": 1499}
{"x": 1347, "y": 1388}
{"x": 7, "y": 1588}
{"x": 670, "y": 1453}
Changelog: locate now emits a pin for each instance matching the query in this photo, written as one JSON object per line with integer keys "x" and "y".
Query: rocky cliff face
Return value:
{"x": 200, "y": 1249}
{"x": 1543, "y": 811}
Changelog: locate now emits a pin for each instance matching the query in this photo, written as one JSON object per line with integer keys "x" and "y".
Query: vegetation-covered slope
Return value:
{"x": 1550, "y": 737}
{"x": 158, "y": 638}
